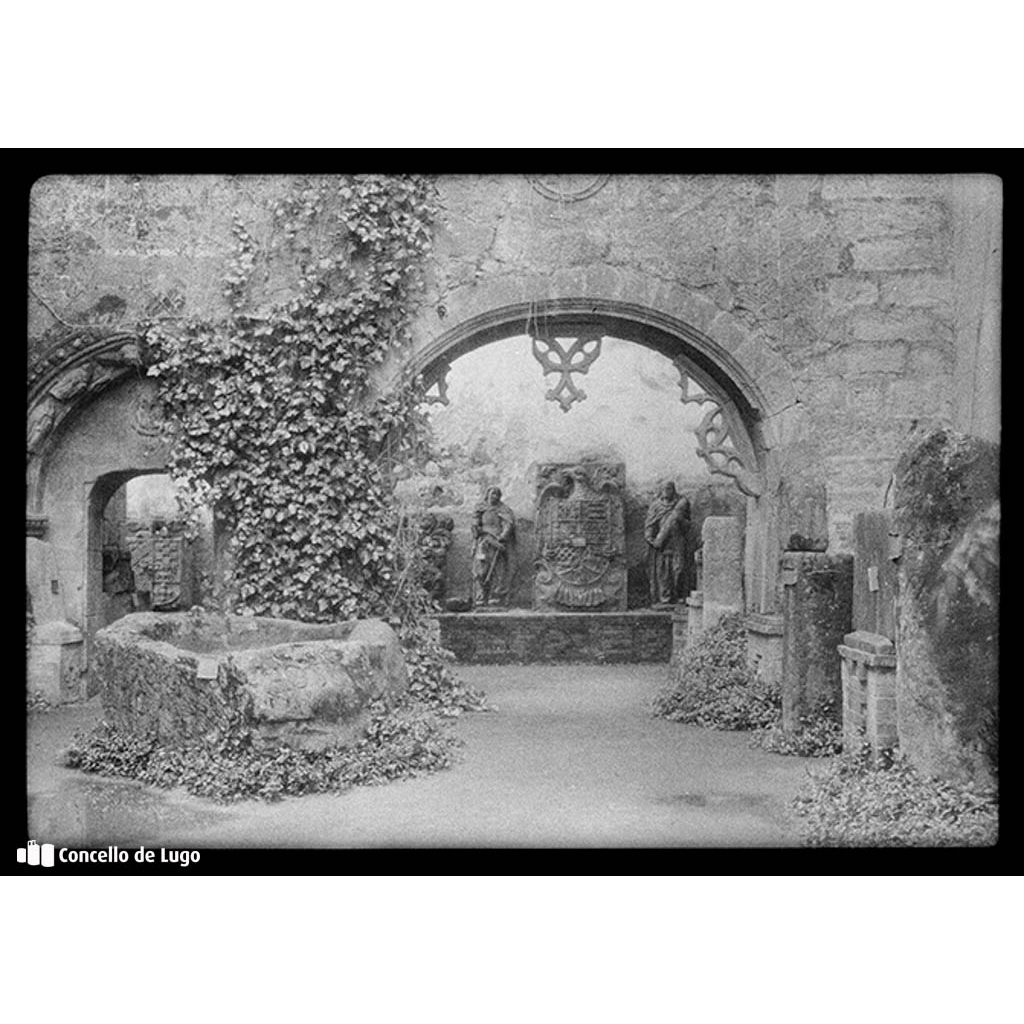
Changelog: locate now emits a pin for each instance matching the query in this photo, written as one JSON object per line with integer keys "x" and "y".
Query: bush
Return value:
{"x": 817, "y": 735}
{"x": 713, "y": 687}
{"x": 399, "y": 743}
{"x": 432, "y": 682}
{"x": 851, "y": 803}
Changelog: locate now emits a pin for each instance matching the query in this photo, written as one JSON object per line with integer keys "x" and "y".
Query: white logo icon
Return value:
{"x": 36, "y": 854}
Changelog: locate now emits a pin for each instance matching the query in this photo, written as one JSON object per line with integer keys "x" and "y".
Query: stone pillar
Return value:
{"x": 722, "y": 568}
{"x": 56, "y": 663}
{"x": 869, "y": 693}
{"x": 817, "y": 605}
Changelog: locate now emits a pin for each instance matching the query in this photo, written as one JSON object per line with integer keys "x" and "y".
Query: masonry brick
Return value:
{"x": 899, "y": 254}
{"x": 882, "y": 218}
{"x": 917, "y": 289}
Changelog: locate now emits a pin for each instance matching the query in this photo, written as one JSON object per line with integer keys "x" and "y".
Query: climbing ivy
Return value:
{"x": 271, "y": 413}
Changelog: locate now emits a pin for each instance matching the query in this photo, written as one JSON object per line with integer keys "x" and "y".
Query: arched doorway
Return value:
{"x": 734, "y": 437}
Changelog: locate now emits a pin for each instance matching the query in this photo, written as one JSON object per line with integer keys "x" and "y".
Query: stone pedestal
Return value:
{"x": 694, "y": 616}
{"x": 868, "y": 667}
{"x": 722, "y": 568}
{"x": 56, "y": 663}
{"x": 764, "y": 645}
{"x": 817, "y": 614}
{"x": 680, "y": 632}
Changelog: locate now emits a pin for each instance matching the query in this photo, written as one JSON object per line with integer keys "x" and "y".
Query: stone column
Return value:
{"x": 817, "y": 614}
{"x": 722, "y": 589}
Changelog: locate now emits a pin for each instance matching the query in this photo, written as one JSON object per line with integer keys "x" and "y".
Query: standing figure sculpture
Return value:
{"x": 666, "y": 530}
{"x": 494, "y": 533}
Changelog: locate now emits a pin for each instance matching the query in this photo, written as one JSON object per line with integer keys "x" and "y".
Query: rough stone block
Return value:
{"x": 947, "y": 515}
{"x": 894, "y": 325}
{"x": 817, "y": 613}
{"x": 882, "y": 219}
{"x": 917, "y": 289}
{"x": 56, "y": 663}
{"x": 852, "y": 291}
{"x": 900, "y": 254}
{"x": 184, "y": 678}
{"x": 869, "y": 357}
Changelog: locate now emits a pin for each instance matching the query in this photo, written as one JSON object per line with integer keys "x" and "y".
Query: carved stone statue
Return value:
{"x": 666, "y": 530}
{"x": 494, "y": 532}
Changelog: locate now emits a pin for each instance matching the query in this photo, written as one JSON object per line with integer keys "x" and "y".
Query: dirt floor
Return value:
{"x": 570, "y": 757}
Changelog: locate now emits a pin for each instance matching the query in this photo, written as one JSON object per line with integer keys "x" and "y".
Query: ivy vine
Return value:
{"x": 273, "y": 419}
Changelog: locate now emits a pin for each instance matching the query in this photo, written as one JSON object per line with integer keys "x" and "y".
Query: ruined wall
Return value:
{"x": 841, "y": 287}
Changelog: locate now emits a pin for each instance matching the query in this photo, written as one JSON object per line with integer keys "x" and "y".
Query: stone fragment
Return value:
{"x": 722, "y": 560}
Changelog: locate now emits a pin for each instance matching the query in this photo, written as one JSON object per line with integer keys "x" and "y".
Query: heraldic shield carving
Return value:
{"x": 581, "y": 537}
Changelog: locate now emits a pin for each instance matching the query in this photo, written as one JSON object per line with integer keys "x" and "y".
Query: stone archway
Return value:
{"x": 95, "y": 439}
{"x": 744, "y": 390}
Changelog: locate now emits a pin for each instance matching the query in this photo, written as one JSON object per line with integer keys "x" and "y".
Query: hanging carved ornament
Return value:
{"x": 568, "y": 188}
{"x": 554, "y": 357}
{"x": 714, "y": 440}
{"x": 440, "y": 395}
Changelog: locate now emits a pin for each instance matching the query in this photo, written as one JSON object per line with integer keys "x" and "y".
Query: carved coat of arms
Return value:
{"x": 580, "y": 524}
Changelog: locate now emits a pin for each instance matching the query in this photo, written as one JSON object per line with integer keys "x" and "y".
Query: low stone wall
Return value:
{"x": 187, "y": 678}
{"x": 491, "y": 638}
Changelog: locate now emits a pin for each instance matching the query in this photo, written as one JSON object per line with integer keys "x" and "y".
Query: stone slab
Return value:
{"x": 536, "y": 638}
{"x": 722, "y": 576}
{"x": 874, "y": 573}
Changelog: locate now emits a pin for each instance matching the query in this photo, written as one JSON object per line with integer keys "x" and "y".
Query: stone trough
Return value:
{"x": 186, "y": 677}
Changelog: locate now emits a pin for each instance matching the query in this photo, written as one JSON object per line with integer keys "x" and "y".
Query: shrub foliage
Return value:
{"x": 851, "y": 803}
{"x": 399, "y": 742}
{"x": 713, "y": 687}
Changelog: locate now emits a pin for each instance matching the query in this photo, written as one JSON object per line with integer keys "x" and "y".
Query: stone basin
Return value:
{"x": 187, "y": 676}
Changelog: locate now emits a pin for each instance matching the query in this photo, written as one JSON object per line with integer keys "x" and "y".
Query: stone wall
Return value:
{"x": 947, "y": 513}
{"x": 522, "y": 638}
{"x": 854, "y": 306}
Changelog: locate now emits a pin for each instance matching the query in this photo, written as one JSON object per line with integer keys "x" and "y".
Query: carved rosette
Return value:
{"x": 580, "y": 523}
{"x": 715, "y": 444}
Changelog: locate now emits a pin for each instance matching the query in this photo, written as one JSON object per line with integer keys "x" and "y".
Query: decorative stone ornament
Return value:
{"x": 714, "y": 437}
{"x": 554, "y": 357}
{"x": 580, "y": 537}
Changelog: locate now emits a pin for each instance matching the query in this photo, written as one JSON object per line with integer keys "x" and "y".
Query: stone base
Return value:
{"x": 56, "y": 663}
{"x": 764, "y": 645}
{"x": 694, "y": 616}
{"x": 524, "y": 638}
{"x": 869, "y": 692}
